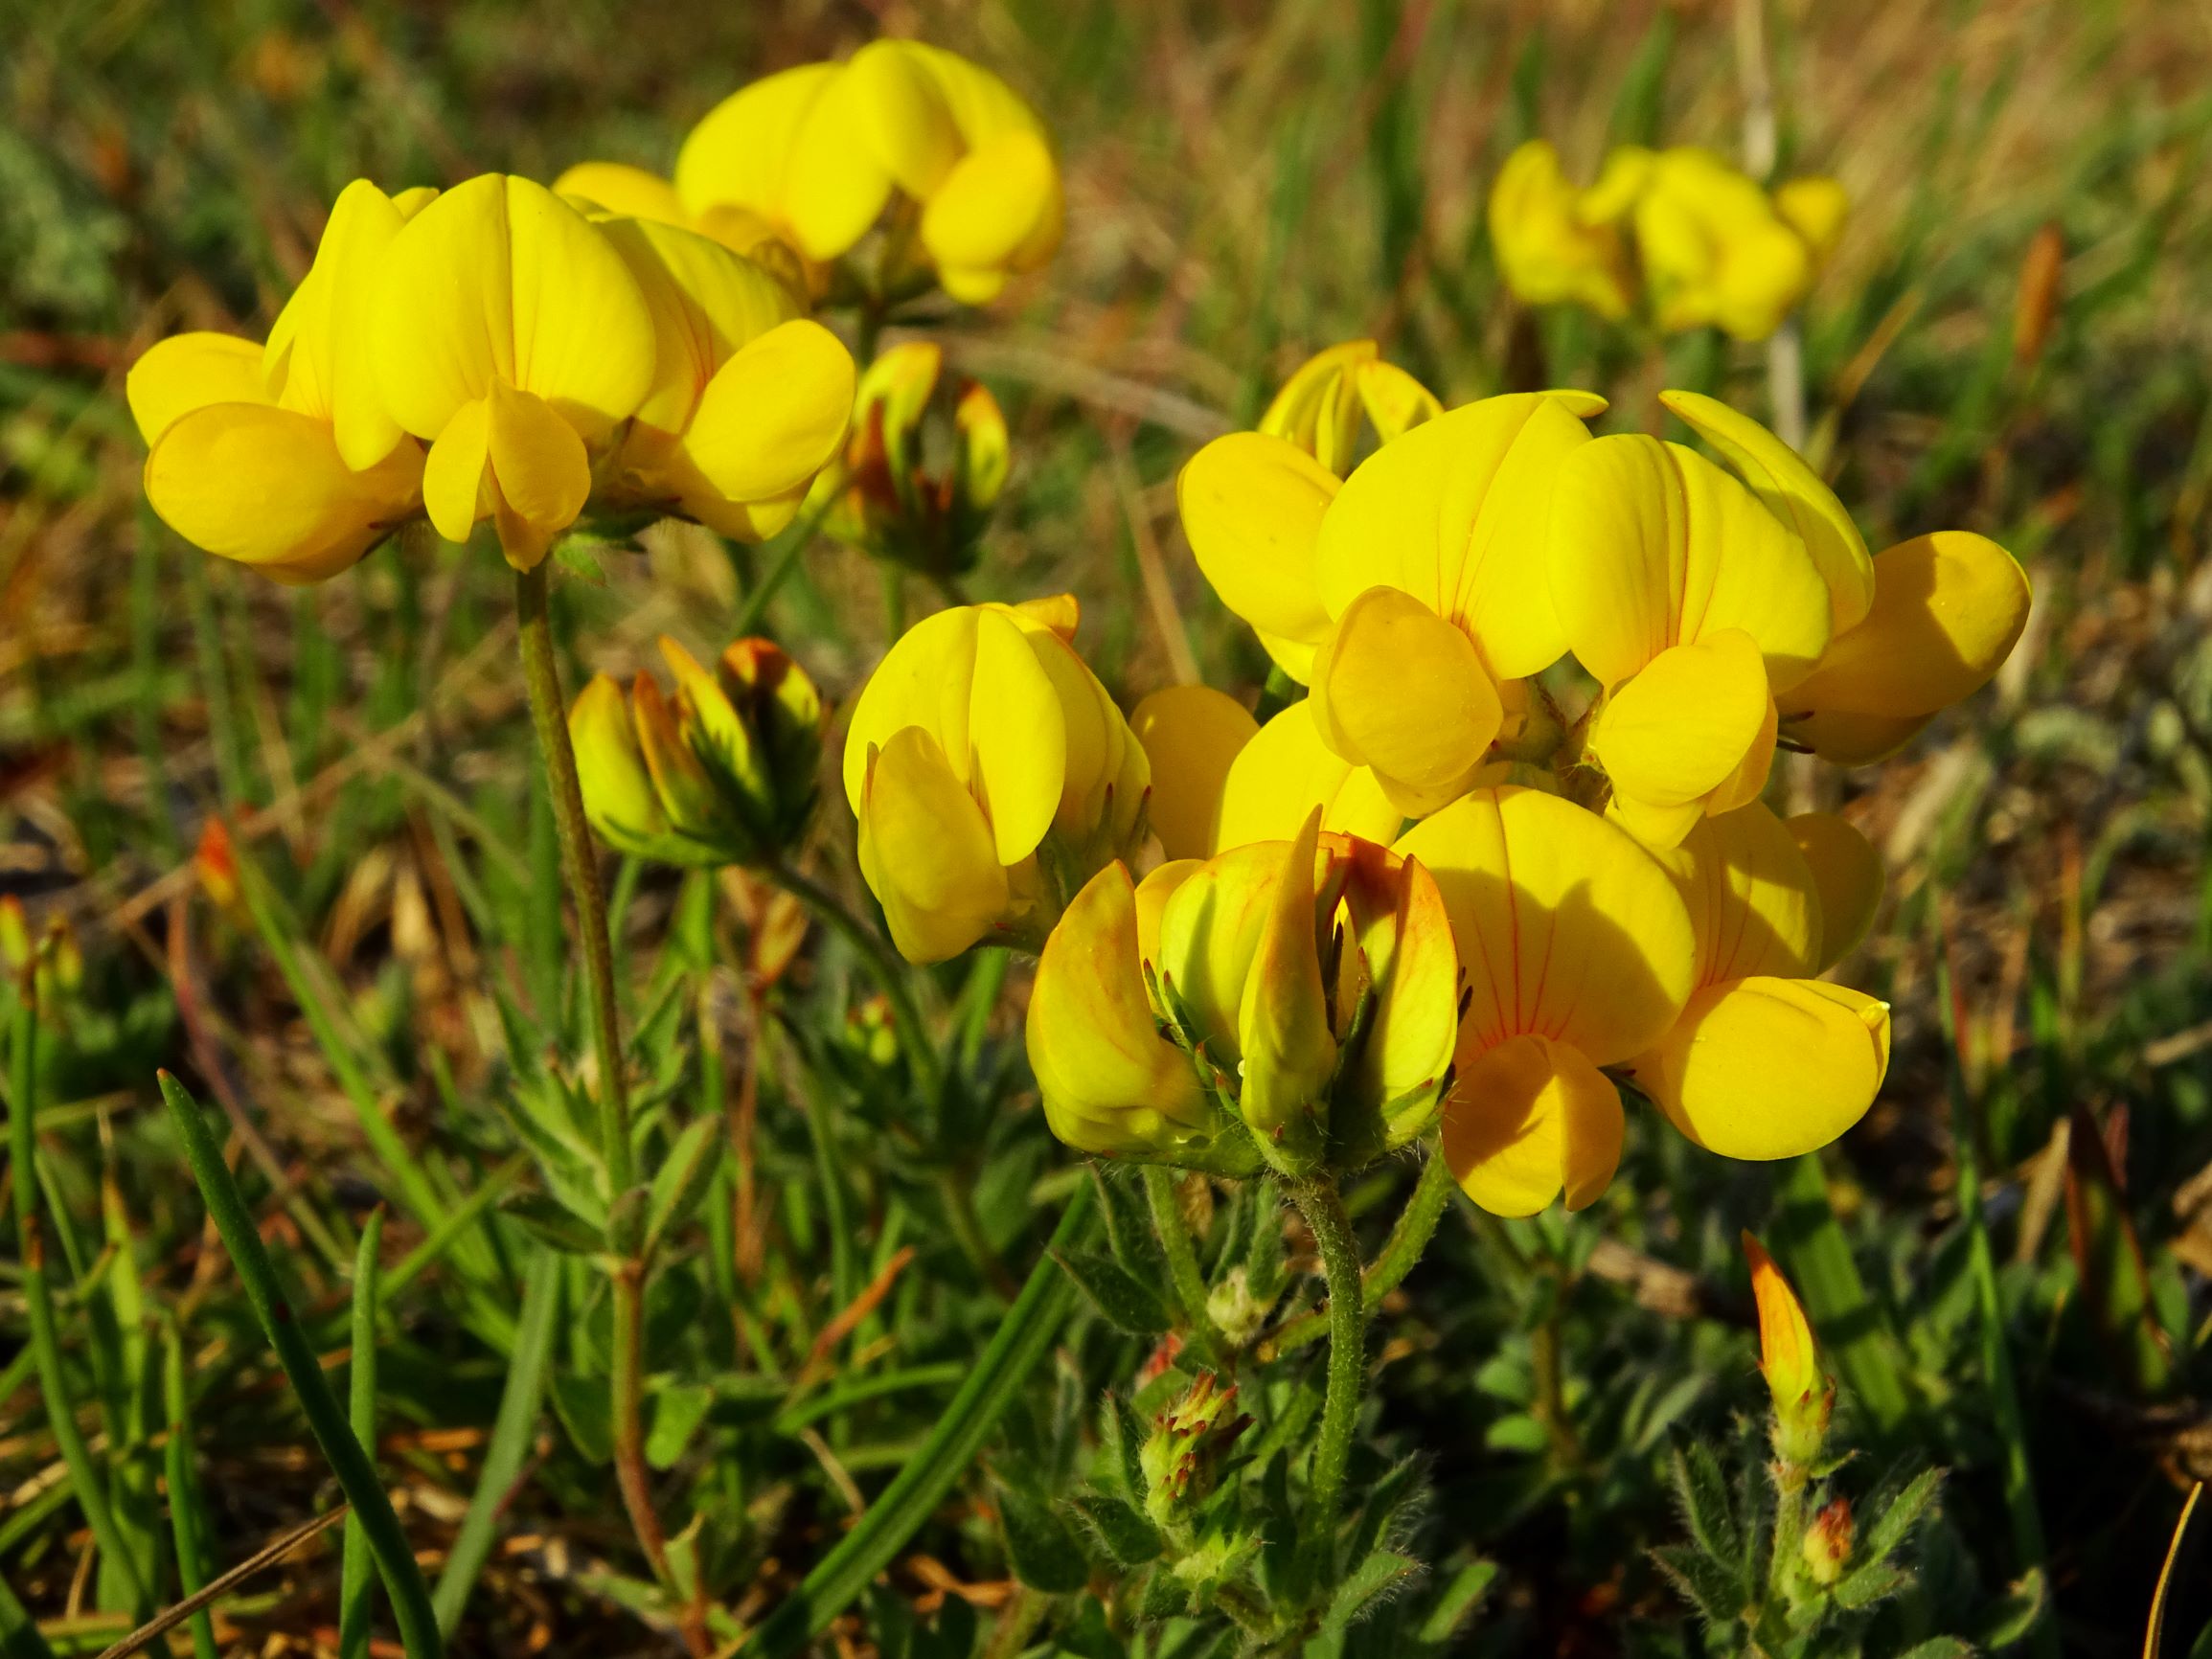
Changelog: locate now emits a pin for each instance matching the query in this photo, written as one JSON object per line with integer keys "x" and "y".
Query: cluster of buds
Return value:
{"x": 52, "y": 962}
{"x": 924, "y": 464}
{"x": 724, "y": 771}
{"x": 1183, "y": 1457}
{"x": 1287, "y": 1003}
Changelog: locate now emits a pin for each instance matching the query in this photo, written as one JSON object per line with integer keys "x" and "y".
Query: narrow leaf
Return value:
{"x": 1125, "y": 1304}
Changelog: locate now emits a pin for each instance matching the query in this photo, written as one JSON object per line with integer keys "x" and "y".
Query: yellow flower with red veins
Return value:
{"x": 991, "y": 774}
{"x": 511, "y": 337}
{"x": 1763, "y": 1061}
{"x": 284, "y": 457}
{"x": 1319, "y": 407}
{"x": 1579, "y": 954}
{"x": 815, "y": 154}
{"x": 1289, "y": 1004}
{"x": 1408, "y": 599}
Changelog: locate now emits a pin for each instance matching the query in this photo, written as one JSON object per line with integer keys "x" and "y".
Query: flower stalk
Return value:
{"x": 1322, "y": 1206}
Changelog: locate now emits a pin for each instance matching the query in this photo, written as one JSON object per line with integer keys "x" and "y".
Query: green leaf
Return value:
{"x": 1129, "y": 1235}
{"x": 1518, "y": 1433}
{"x": 1703, "y": 1492}
{"x": 676, "y": 1412}
{"x": 1125, "y": 1534}
{"x": 581, "y": 1404}
{"x": 554, "y": 1224}
{"x": 1888, "y": 1530}
{"x": 1940, "y": 1648}
{"x": 1371, "y": 1578}
{"x": 1042, "y": 1548}
{"x": 1125, "y": 1437}
{"x": 1162, "y": 1596}
{"x": 1126, "y": 1304}
{"x": 1462, "y": 1594}
{"x": 2013, "y": 1614}
{"x": 1871, "y": 1583}
{"x": 1710, "y": 1586}
{"x": 682, "y": 1180}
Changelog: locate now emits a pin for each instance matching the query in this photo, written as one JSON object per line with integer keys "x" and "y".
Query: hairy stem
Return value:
{"x": 1323, "y": 1207}
{"x": 1408, "y": 1238}
{"x": 1182, "y": 1257}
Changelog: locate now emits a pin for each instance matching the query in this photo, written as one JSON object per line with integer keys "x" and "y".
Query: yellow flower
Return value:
{"x": 1763, "y": 1062}
{"x": 511, "y": 337}
{"x": 1318, "y": 408}
{"x": 926, "y": 461}
{"x": 1405, "y": 599}
{"x": 992, "y": 775}
{"x": 1191, "y": 736}
{"x": 1550, "y": 248}
{"x": 1213, "y": 993}
{"x": 723, "y": 772}
{"x": 819, "y": 152}
{"x": 1847, "y": 874}
{"x": 1284, "y": 772}
{"x": 614, "y": 189}
{"x": 1692, "y": 605}
{"x": 1579, "y": 954}
{"x": 284, "y": 457}
{"x": 1716, "y": 249}
{"x": 1802, "y": 1394}
{"x": 749, "y": 398}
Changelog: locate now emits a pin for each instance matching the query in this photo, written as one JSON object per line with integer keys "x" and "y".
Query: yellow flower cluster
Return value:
{"x": 805, "y": 163}
{"x": 490, "y": 352}
{"x": 1713, "y": 248}
{"x": 1583, "y": 903}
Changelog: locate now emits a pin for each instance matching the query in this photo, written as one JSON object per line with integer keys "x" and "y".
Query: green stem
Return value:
{"x": 885, "y": 967}
{"x": 796, "y": 541}
{"x": 355, "y": 1563}
{"x": 1023, "y": 1338}
{"x": 1182, "y": 1257}
{"x": 356, "y": 1474}
{"x": 85, "y": 1477}
{"x": 2020, "y": 1485}
{"x": 1408, "y": 1238}
{"x": 1323, "y": 1207}
{"x": 186, "y": 1511}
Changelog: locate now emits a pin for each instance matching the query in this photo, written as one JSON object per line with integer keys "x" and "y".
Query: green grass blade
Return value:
{"x": 512, "y": 1432}
{"x": 356, "y": 1474}
{"x": 1811, "y": 1244}
{"x": 1024, "y": 1337}
{"x": 356, "y": 1563}
{"x": 85, "y": 1478}
{"x": 187, "y": 1515}
{"x": 19, "y": 1637}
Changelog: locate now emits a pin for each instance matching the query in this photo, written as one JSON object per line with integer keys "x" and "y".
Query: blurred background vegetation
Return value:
{"x": 2016, "y": 338}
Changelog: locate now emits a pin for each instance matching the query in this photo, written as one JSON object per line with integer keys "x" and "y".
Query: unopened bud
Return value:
{"x": 1235, "y": 1310}
{"x": 1803, "y": 1395}
{"x": 1828, "y": 1542}
{"x": 215, "y": 864}
{"x": 1182, "y": 1459}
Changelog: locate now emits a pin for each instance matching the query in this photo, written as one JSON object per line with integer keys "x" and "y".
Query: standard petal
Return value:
{"x": 1947, "y": 609}
{"x": 1794, "y": 492}
{"x": 267, "y": 486}
{"x": 1848, "y": 877}
{"x": 739, "y": 154}
{"x": 1401, "y": 691}
{"x": 1566, "y": 928}
{"x": 1653, "y": 546}
{"x": 706, "y": 303}
{"x": 631, "y": 191}
{"x": 1191, "y": 736}
{"x": 926, "y": 852}
{"x": 187, "y": 371}
{"x": 1528, "y": 1120}
{"x": 775, "y": 414}
{"x": 1109, "y": 1082}
{"x": 988, "y": 207}
{"x": 834, "y": 188}
{"x": 1679, "y": 729}
{"x": 1765, "y": 1068}
{"x": 1752, "y": 896}
{"x": 1284, "y": 772}
{"x": 1252, "y": 507}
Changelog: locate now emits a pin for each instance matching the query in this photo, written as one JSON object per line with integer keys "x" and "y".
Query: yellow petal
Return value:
{"x": 1105, "y": 772}
{"x": 1786, "y": 1350}
{"x": 618, "y": 792}
{"x": 1401, "y": 691}
{"x": 1209, "y": 932}
{"x": 540, "y": 470}
{"x": 1284, "y": 772}
{"x": 500, "y": 280}
{"x": 739, "y": 154}
{"x": 1816, "y": 208}
{"x": 1794, "y": 492}
{"x": 1548, "y": 252}
{"x": 989, "y": 206}
{"x": 925, "y": 850}
{"x": 902, "y": 109}
{"x": 775, "y": 412}
{"x": 267, "y": 487}
{"x": 1252, "y": 507}
{"x": 1310, "y": 410}
{"x": 1850, "y": 740}
{"x": 1191, "y": 736}
{"x": 1527, "y": 1120}
{"x": 1395, "y": 401}
{"x": 835, "y": 188}
{"x": 187, "y": 371}
{"x": 1685, "y": 723}
{"x": 1848, "y": 875}
{"x": 1566, "y": 928}
{"x": 1653, "y": 546}
{"x": 453, "y": 481}
{"x": 1765, "y": 1068}
{"x": 1109, "y": 1082}
{"x": 363, "y": 225}
{"x": 1290, "y": 1053}
{"x": 1399, "y": 943}
{"x": 1947, "y": 609}
{"x": 1751, "y": 896}
{"x": 630, "y": 191}
{"x": 1454, "y": 513}
{"x": 707, "y": 304}
{"x": 969, "y": 677}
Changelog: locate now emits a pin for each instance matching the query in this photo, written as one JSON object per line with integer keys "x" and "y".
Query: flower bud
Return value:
{"x": 1189, "y": 1440}
{"x": 723, "y": 772}
{"x": 1236, "y": 1310}
{"x": 53, "y": 960}
{"x": 1803, "y": 1395}
{"x": 926, "y": 461}
{"x": 217, "y": 865}
{"x": 1828, "y": 1542}
{"x": 1318, "y": 408}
